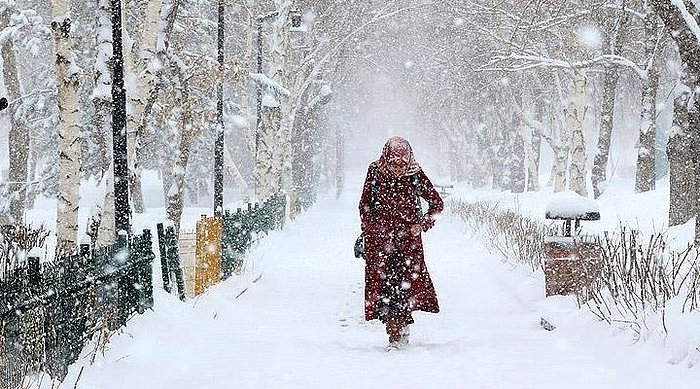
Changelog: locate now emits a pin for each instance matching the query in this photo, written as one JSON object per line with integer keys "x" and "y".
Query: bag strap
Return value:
{"x": 373, "y": 191}
{"x": 418, "y": 191}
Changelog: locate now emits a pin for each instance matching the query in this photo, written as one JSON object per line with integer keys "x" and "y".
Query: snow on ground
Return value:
{"x": 301, "y": 325}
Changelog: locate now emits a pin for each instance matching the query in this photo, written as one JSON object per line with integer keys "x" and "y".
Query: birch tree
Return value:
{"x": 143, "y": 61}
{"x": 19, "y": 133}
{"x": 102, "y": 100}
{"x": 69, "y": 130}
{"x": 575, "y": 117}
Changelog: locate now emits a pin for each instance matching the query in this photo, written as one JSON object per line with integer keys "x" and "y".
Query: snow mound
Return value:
{"x": 571, "y": 205}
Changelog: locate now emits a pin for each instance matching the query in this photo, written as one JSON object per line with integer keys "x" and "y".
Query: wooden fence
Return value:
{"x": 48, "y": 311}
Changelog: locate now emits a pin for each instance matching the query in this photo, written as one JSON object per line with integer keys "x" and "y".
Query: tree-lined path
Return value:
{"x": 301, "y": 326}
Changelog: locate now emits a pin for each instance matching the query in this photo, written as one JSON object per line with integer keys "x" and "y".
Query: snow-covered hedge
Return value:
{"x": 505, "y": 231}
{"x": 641, "y": 282}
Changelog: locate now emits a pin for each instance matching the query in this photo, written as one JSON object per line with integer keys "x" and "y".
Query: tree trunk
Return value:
{"x": 533, "y": 153}
{"x": 339, "y": 162}
{"x": 106, "y": 233}
{"x": 682, "y": 145}
{"x": 533, "y": 121}
{"x": 681, "y": 166}
{"x": 69, "y": 130}
{"x": 600, "y": 160}
{"x": 122, "y": 214}
{"x": 561, "y": 158}
{"x": 102, "y": 100}
{"x": 236, "y": 175}
{"x": 517, "y": 157}
{"x": 612, "y": 45}
{"x": 176, "y": 192}
{"x": 19, "y": 133}
{"x": 265, "y": 182}
{"x": 646, "y": 157}
{"x": 575, "y": 117}
{"x": 139, "y": 100}
{"x": 280, "y": 68}
{"x": 559, "y": 137}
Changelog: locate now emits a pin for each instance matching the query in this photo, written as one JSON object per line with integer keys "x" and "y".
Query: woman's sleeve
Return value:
{"x": 366, "y": 199}
{"x": 428, "y": 192}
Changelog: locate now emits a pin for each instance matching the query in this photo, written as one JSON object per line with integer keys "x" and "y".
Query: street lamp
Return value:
{"x": 119, "y": 154}
{"x": 219, "y": 145}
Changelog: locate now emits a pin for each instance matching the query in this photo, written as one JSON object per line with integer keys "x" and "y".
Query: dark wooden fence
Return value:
{"x": 48, "y": 311}
{"x": 241, "y": 226}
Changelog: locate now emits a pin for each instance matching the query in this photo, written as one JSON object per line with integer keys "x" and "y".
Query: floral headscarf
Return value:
{"x": 398, "y": 148}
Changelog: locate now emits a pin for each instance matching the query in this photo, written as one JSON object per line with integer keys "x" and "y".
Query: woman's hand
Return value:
{"x": 415, "y": 229}
{"x": 428, "y": 222}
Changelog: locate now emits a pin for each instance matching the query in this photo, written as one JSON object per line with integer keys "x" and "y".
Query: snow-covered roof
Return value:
{"x": 571, "y": 205}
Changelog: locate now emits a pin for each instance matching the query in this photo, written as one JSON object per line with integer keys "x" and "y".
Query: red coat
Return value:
{"x": 395, "y": 211}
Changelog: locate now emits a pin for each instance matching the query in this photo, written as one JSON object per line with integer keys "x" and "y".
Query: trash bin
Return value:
{"x": 572, "y": 260}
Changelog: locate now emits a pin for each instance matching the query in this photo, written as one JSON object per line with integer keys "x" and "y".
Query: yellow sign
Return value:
{"x": 208, "y": 253}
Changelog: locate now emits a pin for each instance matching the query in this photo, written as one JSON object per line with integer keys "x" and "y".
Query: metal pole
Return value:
{"x": 259, "y": 21}
{"x": 219, "y": 146}
{"x": 119, "y": 152}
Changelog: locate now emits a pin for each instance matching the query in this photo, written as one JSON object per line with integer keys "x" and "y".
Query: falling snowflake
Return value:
{"x": 590, "y": 36}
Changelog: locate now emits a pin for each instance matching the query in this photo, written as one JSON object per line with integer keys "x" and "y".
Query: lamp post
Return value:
{"x": 219, "y": 145}
{"x": 121, "y": 170}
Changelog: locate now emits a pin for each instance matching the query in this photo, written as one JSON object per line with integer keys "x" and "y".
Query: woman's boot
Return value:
{"x": 405, "y": 332}
{"x": 393, "y": 329}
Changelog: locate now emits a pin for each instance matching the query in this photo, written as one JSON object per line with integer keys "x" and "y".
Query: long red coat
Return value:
{"x": 394, "y": 212}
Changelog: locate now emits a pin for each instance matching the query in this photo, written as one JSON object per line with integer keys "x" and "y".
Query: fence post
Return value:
{"x": 164, "y": 268}
{"x": 145, "y": 271}
{"x": 227, "y": 255}
{"x": 174, "y": 261}
{"x": 282, "y": 204}
{"x": 33, "y": 271}
{"x": 119, "y": 260}
{"x": 240, "y": 237}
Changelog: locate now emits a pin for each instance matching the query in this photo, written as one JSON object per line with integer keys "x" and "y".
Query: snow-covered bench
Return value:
{"x": 571, "y": 262}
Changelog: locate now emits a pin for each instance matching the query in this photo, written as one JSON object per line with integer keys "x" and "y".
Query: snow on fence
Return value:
{"x": 48, "y": 311}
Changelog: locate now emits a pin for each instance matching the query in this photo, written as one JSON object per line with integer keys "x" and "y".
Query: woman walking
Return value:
{"x": 396, "y": 278}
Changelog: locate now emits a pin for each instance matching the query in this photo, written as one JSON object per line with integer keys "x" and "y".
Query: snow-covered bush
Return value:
{"x": 639, "y": 279}
{"x": 641, "y": 283}
{"x": 505, "y": 231}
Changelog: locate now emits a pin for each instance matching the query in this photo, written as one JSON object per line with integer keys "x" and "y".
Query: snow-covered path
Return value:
{"x": 301, "y": 326}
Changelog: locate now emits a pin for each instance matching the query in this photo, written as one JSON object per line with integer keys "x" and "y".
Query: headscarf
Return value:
{"x": 397, "y": 147}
